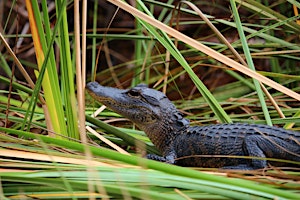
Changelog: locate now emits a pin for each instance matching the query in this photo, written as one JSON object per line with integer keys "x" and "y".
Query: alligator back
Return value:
{"x": 212, "y": 146}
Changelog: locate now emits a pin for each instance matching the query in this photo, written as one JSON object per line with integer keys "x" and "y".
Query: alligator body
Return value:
{"x": 218, "y": 146}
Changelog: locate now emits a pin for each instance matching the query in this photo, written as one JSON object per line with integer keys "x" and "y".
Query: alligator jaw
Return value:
{"x": 101, "y": 93}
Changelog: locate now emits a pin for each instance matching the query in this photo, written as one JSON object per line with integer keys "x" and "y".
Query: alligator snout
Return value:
{"x": 92, "y": 86}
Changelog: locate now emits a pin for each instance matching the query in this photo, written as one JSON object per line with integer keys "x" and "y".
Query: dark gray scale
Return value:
{"x": 236, "y": 140}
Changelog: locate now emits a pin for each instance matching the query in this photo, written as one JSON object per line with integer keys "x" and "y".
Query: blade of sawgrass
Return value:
{"x": 250, "y": 63}
{"x": 18, "y": 103}
{"x": 266, "y": 11}
{"x": 139, "y": 52}
{"x": 241, "y": 186}
{"x": 16, "y": 85}
{"x": 265, "y": 36}
{"x": 295, "y": 3}
{"x": 289, "y": 125}
{"x": 40, "y": 156}
{"x": 164, "y": 11}
{"x": 5, "y": 67}
{"x": 18, "y": 121}
{"x": 94, "y": 44}
{"x": 9, "y": 15}
{"x": 50, "y": 80}
{"x": 262, "y": 33}
{"x": 67, "y": 72}
{"x": 37, "y": 29}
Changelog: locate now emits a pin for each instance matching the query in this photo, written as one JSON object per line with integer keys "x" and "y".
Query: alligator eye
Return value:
{"x": 134, "y": 93}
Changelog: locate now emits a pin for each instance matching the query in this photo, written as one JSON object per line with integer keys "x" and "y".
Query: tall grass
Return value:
{"x": 41, "y": 154}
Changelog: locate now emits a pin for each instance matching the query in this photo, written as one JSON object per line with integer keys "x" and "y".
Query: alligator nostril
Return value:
{"x": 91, "y": 85}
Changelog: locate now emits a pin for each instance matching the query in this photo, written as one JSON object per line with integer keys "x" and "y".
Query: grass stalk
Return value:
{"x": 241, "y": 185}
{"x": 247, "y": 53}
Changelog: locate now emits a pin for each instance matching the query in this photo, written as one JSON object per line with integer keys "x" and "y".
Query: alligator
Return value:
{"x": 238, "y": 146}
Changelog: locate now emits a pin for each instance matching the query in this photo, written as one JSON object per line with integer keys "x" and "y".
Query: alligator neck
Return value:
{"x": 165, "y": 131}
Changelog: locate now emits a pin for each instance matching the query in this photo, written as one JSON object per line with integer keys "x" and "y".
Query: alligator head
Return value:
{"x": 149, "y": 109}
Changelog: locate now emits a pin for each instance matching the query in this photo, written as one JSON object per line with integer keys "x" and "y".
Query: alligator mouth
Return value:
{"x": 121, "y": 108}
{"x": 101, "y": 99}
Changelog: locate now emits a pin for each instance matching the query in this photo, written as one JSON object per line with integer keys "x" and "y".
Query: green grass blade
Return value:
{"x": 67, "y": 72}
{"x": 266, "y": 11}
{"x": 250, "y": 63}
{"x": 94, "y": 45}
{"x": 50, "y": 80}
{"x": 240, "y": 185}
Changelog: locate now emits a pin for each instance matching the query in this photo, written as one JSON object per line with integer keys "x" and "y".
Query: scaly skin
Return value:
{"x": 198, "y": 146}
